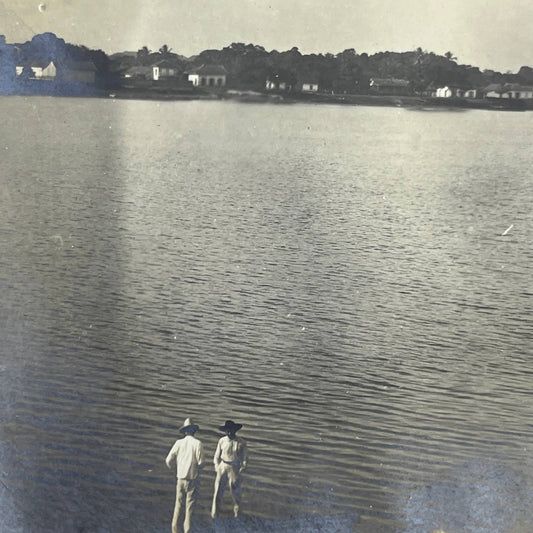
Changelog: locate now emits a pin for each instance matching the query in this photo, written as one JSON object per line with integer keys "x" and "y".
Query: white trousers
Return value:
{"x": 227, "y": 475}
{"x": 186, "y": 494}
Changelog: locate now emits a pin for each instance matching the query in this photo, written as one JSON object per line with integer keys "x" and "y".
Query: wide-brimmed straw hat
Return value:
{"x": 188, "y": 425}
{"x": 230, "y": 426}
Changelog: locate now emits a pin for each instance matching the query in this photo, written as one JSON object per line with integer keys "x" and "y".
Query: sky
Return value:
{"x": 490, "y": 34}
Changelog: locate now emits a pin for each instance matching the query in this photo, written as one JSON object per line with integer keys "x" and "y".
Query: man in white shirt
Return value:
{"x": 188, "y": 454}
{"x": 230, "y": 460}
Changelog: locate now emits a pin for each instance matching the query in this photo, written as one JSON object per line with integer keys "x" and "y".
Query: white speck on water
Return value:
{"x": 508, "y": 230}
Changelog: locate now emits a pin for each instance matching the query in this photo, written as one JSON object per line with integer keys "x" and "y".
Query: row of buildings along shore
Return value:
{"x": 216, "y": 77}
{"x": 20, "y": 74}
{"x": 399, "y": 87}
{"x": 164, "y": 74}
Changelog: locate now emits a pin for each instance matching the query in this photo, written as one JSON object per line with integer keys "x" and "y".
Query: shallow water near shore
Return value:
{"x": 334, "y": 278}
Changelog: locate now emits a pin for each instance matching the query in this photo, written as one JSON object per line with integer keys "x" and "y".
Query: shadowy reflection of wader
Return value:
{"x": 230, "y": 460}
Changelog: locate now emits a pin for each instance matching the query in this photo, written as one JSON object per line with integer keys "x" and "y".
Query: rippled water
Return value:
{"x": 335, "y": 278}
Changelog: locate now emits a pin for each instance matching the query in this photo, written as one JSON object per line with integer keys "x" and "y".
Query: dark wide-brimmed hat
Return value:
{"x": 230, "y": 426}
{"x": 188, "y": 426}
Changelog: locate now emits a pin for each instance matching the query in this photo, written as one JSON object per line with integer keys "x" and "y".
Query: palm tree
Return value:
{"x": 420, "y": 56}
{"x": 420, "y": 62}
{"x": 142, "y": 54}
{"x": 165, "y": 51}
{"x": 449, "y": 56}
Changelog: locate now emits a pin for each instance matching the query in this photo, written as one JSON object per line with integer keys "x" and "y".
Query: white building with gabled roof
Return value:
{"x": 208, "y": 76}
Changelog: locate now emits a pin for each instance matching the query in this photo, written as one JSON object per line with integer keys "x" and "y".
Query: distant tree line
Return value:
{"x": 249, "y": 65}
{"x": 49, "y": 47}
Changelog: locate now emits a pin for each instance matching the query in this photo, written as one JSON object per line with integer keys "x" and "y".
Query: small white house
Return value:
{"x": 494, "y": 90}
{"x": 519, "y": 92}
{"x": 164, "y": 70}
{"x": 509, "y": 90}
{"x": 449, "y": 92}
{"x": 443, "y": 92}
{"x": 276, "y": 84}
{"x": 208, "y": 76}
{"x": 43, "y": 70}
{"x": 310, "y": 87}
{"x": 471, "y": 93}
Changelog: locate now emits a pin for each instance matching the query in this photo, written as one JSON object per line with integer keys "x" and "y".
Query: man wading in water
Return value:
{"x": 188, "y": 454}
{"x": 230, "y": 460}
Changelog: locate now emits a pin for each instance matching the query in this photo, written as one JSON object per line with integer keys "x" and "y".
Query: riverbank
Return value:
{"x": 148, "y": 94}
{"x": 248, "y": 96}
{"x": 413, "y": 102}
{"x": 416, "y": 102}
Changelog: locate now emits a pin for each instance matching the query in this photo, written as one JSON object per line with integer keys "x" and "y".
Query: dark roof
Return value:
{"x": 517, "y": 87}
{"x": 498, "y": 87}
{"x": 165, "y": 63}
{"x": 209, "y": 70}
{"x": 503, "y": 88}
{"x": 138, "y": 70}
{"x": 389, "y": 82}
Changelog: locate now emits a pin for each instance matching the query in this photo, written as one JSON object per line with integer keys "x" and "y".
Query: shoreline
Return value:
{"x": 420, "y": 103}
{"x": 423, "y": 103}
{"x": 410, "y": 102}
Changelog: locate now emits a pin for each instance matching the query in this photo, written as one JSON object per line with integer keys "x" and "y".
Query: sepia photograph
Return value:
{"x": 265, "y": 266}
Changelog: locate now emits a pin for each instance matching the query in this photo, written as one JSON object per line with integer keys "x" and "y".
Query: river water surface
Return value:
{"x": 334, "y": 278}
